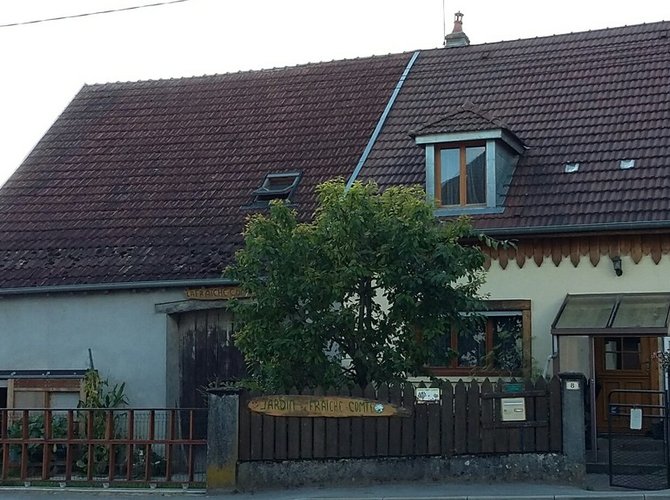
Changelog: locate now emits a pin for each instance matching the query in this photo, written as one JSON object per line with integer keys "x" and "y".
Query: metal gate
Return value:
{"x": 638, "y": 439}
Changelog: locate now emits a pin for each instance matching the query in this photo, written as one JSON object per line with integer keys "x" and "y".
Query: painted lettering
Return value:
{"x": 321, "y": 406}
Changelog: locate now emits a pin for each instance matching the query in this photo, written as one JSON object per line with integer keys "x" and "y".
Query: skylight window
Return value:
{"x": 571, "y": 168}
{"x": 626, "y": 164}
{"x": 277, "y": 187}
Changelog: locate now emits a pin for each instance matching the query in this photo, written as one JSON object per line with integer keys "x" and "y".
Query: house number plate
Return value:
{"x": 572, "y": 385}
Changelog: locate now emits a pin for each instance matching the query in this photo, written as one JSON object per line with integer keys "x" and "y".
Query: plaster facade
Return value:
{"x": 547, "y": 285}
{"x": 126, "y": 335}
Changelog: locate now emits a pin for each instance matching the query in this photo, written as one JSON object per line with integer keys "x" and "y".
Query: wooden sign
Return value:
{"x": 216, "y": 293}
{"x": 324, "y": 406}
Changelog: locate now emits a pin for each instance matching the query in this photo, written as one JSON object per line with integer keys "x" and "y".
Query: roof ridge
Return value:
{"x": 629, "y": 27}
{"x": 468, "y": 106}
{"x": 408, "y": 53}
{"x": 247, "y": 72}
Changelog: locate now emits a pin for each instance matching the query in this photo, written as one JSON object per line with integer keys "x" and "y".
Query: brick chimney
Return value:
{"x": 457, "y": 38}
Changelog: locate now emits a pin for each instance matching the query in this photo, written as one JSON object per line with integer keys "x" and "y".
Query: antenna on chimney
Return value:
{"x": 444, "y": 22}
{"x": 457, "y": 38}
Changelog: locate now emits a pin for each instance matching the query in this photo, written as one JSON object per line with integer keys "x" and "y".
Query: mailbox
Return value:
{"x": 513, "y": 409}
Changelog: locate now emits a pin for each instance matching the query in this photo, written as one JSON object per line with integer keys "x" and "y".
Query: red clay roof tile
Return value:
{"x": 149, "y": 181}
{"x": 595, "y": 98}
{"x": 152, "y": 181}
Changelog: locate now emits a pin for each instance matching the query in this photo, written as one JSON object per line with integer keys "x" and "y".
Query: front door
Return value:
{"x": 623, "y": 363}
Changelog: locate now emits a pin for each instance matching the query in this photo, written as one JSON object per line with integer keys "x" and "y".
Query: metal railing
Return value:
{"x": 88, "y": 445}
{"x": 638, "y": 444}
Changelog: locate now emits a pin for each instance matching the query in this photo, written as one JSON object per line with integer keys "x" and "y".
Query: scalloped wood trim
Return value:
{"x": 555, "y": 250}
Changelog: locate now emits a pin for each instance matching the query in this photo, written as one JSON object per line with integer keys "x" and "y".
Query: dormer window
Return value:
{"x": 277, "y": 187}
{"x": 470, "y": 159}
{"x": 460, "y": 175}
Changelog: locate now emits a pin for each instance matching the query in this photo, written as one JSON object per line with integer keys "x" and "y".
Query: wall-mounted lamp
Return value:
{"x": 616, "y": 263}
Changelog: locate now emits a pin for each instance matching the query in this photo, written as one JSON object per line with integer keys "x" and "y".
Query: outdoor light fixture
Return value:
{"x": 616, "y": 263}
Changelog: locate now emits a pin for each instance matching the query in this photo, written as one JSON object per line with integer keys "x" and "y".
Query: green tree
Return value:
{"x": 361, "y": 294}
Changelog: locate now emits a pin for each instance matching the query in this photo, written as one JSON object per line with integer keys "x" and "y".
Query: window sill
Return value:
{"x": 443, "y": 371}
{"x": 447, "y": 211}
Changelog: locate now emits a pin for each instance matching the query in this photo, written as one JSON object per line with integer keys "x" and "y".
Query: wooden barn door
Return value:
{"x": 206, "y": 353}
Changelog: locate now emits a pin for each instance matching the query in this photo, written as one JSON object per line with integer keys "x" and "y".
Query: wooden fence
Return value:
{"x": 466, "y": 420}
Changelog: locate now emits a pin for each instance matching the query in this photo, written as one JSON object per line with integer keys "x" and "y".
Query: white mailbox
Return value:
{"x": 513, "y": 409}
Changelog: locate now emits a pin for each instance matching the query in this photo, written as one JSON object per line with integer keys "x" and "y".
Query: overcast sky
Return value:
{"x": 45, "y": 64}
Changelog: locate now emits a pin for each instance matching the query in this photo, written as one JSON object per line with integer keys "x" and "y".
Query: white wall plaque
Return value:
{"x": 427, "y": 394}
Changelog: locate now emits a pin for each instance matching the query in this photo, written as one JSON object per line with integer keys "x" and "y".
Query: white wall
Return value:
{"x": 547, "y": 285}
{"x": 126, "y": 335}
{"x": 128, "y": 338}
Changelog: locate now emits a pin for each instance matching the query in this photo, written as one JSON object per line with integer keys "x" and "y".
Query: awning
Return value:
{"x": 630, "y": 315}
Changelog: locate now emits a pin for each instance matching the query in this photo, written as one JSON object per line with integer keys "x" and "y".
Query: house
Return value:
{"x": 117, "y": 226}
{"x": 560, "y": 145}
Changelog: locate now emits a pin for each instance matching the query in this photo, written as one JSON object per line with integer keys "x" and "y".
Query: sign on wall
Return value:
{"x": 427, "y": 394}
{"x": 324, "y": 406}
{"x": 216, "y": 293}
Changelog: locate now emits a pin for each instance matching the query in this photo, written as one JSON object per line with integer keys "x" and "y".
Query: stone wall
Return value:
{"x": 548, "y": 467}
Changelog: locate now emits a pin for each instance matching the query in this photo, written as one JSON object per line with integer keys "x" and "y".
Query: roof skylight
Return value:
{"x": 571, "y": 167}
{"x": 277, "y": 187}
{"x": 626, "y": 164}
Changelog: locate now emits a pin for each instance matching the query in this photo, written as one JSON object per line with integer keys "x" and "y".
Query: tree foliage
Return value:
{"x": 361, "y": 294}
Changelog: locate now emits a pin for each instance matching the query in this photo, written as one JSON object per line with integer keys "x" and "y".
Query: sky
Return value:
{"x": 43, "y": 65}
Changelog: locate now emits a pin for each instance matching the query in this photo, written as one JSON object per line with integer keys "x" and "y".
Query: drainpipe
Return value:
{"x": 553, "y": 355}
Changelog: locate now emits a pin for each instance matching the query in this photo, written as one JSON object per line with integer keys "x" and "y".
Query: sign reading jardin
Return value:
{"x": 324, "y": 406}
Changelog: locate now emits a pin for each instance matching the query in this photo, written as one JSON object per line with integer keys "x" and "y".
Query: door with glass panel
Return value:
{"x": 623, "y": 363}
{"x": 626, "y": 330}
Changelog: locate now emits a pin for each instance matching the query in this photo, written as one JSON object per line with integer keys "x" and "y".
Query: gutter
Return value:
{"x": 106, "y": 287}
{"x": 381, "y": 121}
{"x": 576, "y": 228}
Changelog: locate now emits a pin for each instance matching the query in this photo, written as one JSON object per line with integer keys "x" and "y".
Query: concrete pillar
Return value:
{"x": 573, "y": 386}
{"x": 222, "y": 439}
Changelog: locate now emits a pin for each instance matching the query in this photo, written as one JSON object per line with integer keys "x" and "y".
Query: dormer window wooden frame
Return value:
{"x": 502, "y": 152}
{"x": 468, "y": 181}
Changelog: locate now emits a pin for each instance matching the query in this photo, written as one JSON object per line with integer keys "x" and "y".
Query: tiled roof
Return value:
{"x": 594, "y": 98}
{"x": 152, "y": 180}
{"x": 465, "y": 118}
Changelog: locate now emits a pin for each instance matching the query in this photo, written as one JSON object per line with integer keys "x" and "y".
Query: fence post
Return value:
{"x": 222, "y": 438}
{"x": 573, "y": 386}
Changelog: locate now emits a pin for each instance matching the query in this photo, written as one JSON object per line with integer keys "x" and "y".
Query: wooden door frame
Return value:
{"x": 597, "y": 369}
